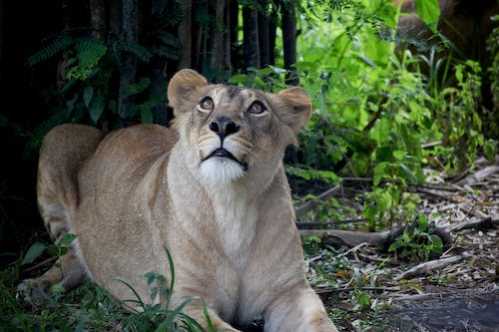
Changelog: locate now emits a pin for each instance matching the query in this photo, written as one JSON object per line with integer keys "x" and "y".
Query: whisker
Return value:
{"x": 242, "y": 142}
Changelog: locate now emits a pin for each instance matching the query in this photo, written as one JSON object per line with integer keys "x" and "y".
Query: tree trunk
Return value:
{"x": 263, "y": 33}
{"x": 227, "y": 62}
{"x": 250, "y": 28}
{"x": 272, "y": 33}
{"x": 129, "y": 35}
{"x": 185, "y": 35}
{"x": 289, "y": 41}
{"x": 115, "y": 17}
{"x": 98, "y": 18}
{"x": 217, "y": 55}
{"x": 232, "y": 23}
{"x": 66, "y": 14}
{"x": 2, "y": 22}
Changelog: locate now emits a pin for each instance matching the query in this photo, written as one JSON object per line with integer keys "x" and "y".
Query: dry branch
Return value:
{"x": 327, "y": 290}
{"x": 427, "y": 267}
{"x": 348, "y": 238}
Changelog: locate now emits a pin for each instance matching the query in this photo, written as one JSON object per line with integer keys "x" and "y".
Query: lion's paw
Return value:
{"x": 32, "y": 292}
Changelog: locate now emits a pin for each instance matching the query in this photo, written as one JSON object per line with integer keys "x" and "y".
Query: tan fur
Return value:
{"x": 232, "y": 236}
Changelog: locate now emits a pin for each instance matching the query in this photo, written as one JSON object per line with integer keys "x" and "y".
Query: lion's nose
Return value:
{"x": 223, "y": 127}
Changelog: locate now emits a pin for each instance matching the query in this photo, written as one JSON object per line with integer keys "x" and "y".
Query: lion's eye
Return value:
{"x": 206, "y": 104}
{"x": 257, "y": 108}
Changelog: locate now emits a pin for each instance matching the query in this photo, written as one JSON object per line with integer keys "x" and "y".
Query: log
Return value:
{"x": 383, "y": 239}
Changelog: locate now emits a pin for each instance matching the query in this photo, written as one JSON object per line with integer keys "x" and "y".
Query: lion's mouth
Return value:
{"x": 223, "y": 153}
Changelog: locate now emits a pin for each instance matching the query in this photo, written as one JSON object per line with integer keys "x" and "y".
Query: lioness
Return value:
{"x": 213, "y": 192}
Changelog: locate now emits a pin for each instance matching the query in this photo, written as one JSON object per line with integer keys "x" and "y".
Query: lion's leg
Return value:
{"x": 299, "y": 310}
{"x": 67, "y": 272}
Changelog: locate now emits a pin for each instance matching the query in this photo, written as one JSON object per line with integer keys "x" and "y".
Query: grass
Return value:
{"x": 91, "y": 308}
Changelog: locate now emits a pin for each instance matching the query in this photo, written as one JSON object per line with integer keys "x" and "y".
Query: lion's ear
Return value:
{"x": 297, "y": 108}
{"x": 182, "y": 85}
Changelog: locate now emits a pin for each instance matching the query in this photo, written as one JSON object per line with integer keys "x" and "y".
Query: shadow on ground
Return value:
{"x": 449, "y": 312}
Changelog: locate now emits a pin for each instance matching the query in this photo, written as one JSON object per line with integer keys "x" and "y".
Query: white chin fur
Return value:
{"x": 220, "y": 171}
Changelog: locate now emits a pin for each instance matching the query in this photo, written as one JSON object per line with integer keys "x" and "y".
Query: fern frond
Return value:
{"x": 136, "y": 49}
{"x": 59, "y": 44}
{"x": 89, "y": 51}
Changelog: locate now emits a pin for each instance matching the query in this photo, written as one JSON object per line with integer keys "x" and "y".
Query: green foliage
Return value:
{"x": 389, "y": 205}
{"x": 417, "y": 243}
{"x": 33, "y": 252}
{"x": 56, "y": 46}
{"x": 493, "y": 70}
{"x": 362, "y": 300}
{"x": 429, "y": 12}
{"x": 456, "y": 112}
{"x": 58, "y": 249}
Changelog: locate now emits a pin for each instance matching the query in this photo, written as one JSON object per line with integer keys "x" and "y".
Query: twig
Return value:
{"x": 431, "y": 144}
{"x": 327, "y": 225}
{"x": 416, "y": 297}
{"x": 435, "y": 194}
{"x": 350, "y": 289}
{"x": 427, "y": 267}
{"x": 305, "y": 207}
{"x": 348, "y": 238}
{"x": 354, "y": 249}
{"x": 42, "y": 263}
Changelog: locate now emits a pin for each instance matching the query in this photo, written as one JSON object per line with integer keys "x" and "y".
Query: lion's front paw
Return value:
{"x": 32, "y": 292}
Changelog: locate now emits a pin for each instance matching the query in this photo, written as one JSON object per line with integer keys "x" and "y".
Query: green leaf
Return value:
{"x": 3, "y": 121}
{"x": 97, "y": 108}
{"x": 490, "y": 149}
{"x": 138, "y": 87}
{"x": 429, "y": 12}
{"x": 407, "y": 174}
{"x": 88, "y": 94}
{"x": 34, "y": 252}
{"x": 66, "y": 240}
{"x": 146, "y": 115}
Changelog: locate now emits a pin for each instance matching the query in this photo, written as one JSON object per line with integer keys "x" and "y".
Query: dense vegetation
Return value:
{"x": 392, "y": 110}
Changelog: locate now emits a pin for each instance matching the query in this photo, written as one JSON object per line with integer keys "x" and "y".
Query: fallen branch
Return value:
{"x": 352, "y": 250}
{"x": 305, "y": 207}
{"x": 434, "y": 193}
{"x": 417, "y": 297}
{"x": 324, "y": 290}
{"x": 427, "y": 267}
{"x": 383, "y": 239}
{"x": 327, "y": 225}
{"x": 477, "y": 177}
{"x": 486, "y": 223}
{"x": 338, "y": 238}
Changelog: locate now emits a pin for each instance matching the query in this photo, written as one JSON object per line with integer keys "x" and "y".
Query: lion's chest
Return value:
{"x": 235, "y": 219}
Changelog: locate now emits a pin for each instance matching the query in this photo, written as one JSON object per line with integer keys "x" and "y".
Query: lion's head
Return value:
{"x": 230, "y": 132}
